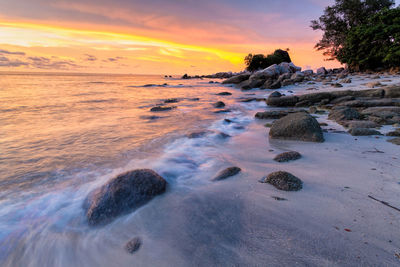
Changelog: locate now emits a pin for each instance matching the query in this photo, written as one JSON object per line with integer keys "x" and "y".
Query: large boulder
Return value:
{"x": 297, "y": 126}
{"x": 392, "y": 91}
{"x": 322, "y": 71}
{"x": 251, "y": 83}
{"x": 237, "y": 79}
{"x": 122, "y": 194}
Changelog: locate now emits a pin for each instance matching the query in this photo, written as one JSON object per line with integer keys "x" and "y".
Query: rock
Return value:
{"x": 371, "y": 103}
{"x": 315, "y": 97}
{"x": 237, "y": 79}
{"x": 219, "y": 104}
{"x": 283, "y": 101}
{"x": 342, "y": 99}
{"x": 251, "y": 83}
{"x": 197, "y": 134}
{"x": 161, "y": 108}
{"x": 185, "y": 76}
{"x": 297, "y": 126}
{"x": 360, "y": 124}
{"x": 122, "y": 194}
{"x": 308, "y": 72}
{"x": 224, "y": 93}
{"x": 394, "y": 133}
{"x": 228, "y": 172}
{"x": 222, "y": 111}
{"x": 376, "y": 77}
{"x": 336, "y": 85}
{"x": 275, "y": 85}
{"x": 133, "y": 245}
{"x": 273, "y": 114}
{"x": 363, "y": 131}
{"x": 284, "y": 181}
{"x": 287, "y": 82}
{"x": 228, "y": 121}
{"x": 395, "y": 141}
{"x": 287, "y": 156}
{"x": 373, "y": 84}
{"x": 194, "y": 99}
{"x": 346, "y": 80}
{"x": 392, "y": 91}
{"x": 171, "y": 100}
{"x": 322, "y": 71}
{"x": 275, "y": 94}
{"x": 297, "y": 77}
{"x": 343, "y": 114}
{"x": 251, "y": 99}
{"x": 388, "y": 115}
{"x": 224, "y": 135}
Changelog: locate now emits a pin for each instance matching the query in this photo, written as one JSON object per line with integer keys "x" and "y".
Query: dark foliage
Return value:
{"x": 259, "y": 61}
{"x": 338, "y": 20}
{"x": 375, "y": 44}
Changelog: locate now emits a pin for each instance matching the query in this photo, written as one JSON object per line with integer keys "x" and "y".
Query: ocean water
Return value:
{"x": 62, "y": 135}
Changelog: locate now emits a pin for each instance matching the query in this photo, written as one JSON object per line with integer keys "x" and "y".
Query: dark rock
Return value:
{"x": 219, "y": 104}
{"x": 342, "y": 99}
{"x": 171, "y": 100}
{"x": 251, "y": 99}
{"x": 185, "y": 76}
{"x": 363, "y": 132}
{"x": 133, "y": 245}
{"x": 297, "y": 126}
{"x": 395, "y": 141}
{"x": 223, "y": 135}
{"x": 336, "y": 85}
{"x": 275, "y": 94}
{"x": 222, "y": 111}
{"x": 394, "y": 133}
{"x": 284, "y": 181}
{"x": 343, "y": 113}
{"x": 251, "y": 83}
{"x": 273, "y": 114}
{"x": 315, "y": 97}
{"x": 194, "y": 99}
{"x": 237, "y": 79}
{"x": 287, "y": 156}
{"x": 122, "y": 194}
{"x": 197, "y": 134}
{"x": 371, "y": 103}
{"x": 392, "y": 91}
{"x": 283, "y": 101}
{"x": 224, "y": 93}
{"x": 360, "y": 124}
{"x": 228, "y": 121}
{"x": 161, "y": 108}
{"x": 222, "y": 175}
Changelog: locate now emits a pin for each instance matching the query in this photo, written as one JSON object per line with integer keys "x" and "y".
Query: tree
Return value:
{"x": 374, "y": 44}
{"x": 339, "y": 19}
{"x": 259, "y": 61}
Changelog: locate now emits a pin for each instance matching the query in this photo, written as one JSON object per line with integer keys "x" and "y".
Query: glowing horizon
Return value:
{"x": 28, "y": 44}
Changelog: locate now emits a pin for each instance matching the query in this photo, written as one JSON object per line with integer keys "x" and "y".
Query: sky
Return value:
{"x": 155, "y": 36}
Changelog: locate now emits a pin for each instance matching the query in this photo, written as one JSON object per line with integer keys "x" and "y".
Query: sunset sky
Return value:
{"x": 154, "y": 36}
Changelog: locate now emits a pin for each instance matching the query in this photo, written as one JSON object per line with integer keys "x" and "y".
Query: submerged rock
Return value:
{"x": 161, "y": 108}
{"x": 287, "y": 156}
{"x": 197, "y": 134}
{"x": 133, "y": 245}
{"x": 171, "y": 100}
{"x": 228, "y": 172}
{"x": 284, "y": 181}
{"x": 224, "y": 93}
{"x": 122, "y": 194}
{"x": 297, "y": 126}
{"x": 219, "y": 104}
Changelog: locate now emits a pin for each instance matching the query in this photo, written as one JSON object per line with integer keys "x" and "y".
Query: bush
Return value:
{"x": 259, "y": 61}
{"x": 375, "y": 44}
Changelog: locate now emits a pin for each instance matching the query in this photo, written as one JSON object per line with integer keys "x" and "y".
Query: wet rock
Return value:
{"x": 251, "y": 83}
{"x": 224, "y": 93}
{"x": 237, "y": 79}
{"x": 394, "y": 133}
{"x": 342, "y": 99}
{"x": 284, "y": 181}
{"x": 392, "y": 91}
{"x": 363, "y": 132}
{"x": 122, "y": 194}
{"x": 133, "y": 245}
{"x": 395, "y": 141}
{"x": 360, "y": 124}
{"x": 371, "y": 103}
{"x": 383, "y": 115}
{"x": 197, "y": 134}
{"x": 283, "y": 101}
{"x": 343, "y": 113}
{"x": 228, "y": 172}
{"x": 227, "y": 121}
{"x": 273, "y": 114}
{"x": 194, "y": 99}
{"x": 219, "y": 104}
{"x": 251, "y": 99}
{"x": 346, "y": 80}
{"x": 336, "y": 85}
{"x": 297, "y": 77}
{"x": 222, "y": 111}
{"x": 171, "y": 100}
{"x": 275, "y": 94}
{"x": 161, "y": 108}
{"x": 297, "y": 126}
{"x": 315, "y": 97}
{"x": 223, "y": 135}
{"x": 287, "y": 156}
{"x": 322, "y": 71}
